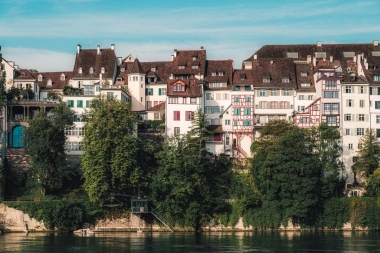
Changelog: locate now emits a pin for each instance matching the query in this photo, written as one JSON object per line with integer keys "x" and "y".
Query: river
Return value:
{"x": 190, "y": 242}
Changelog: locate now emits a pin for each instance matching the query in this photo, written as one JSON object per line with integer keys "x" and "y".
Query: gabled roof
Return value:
{"x": 160, "y": 70}
{"x": 192, "y": 88}
{"x": 159, "y": 107}
{"x": 89, "y": 58}
{"x": 55, "y": 78}
{"x": 275, "y": 70}
{"x": 188, "y": 58}
{"x": 242, "y": 77}
{"x": 225, "y": 67}
{"x": 24, "y": 74}
{"x": 305, "y": 74}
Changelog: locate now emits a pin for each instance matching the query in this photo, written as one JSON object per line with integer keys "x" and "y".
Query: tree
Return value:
{"x": 287, "y": 174}
{"x": 191, "y": 184}
{"x": 368, "y": 155}
{"x": 45, "y": 143}
{"x": 115, "y": 160}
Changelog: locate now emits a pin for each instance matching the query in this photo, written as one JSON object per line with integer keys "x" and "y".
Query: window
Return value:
{"x": 359, "y": 131}
{"x": 347, "y": 117}
{"x": 194, "y": 67}
{"x": 331, "y": 120}
{"x": 266, "y": 80}
{"x": 189, "y": 115}
{"x": 273, "y": 105}
{"x": 361, "y": 89}
{"x": 220, "y": 73}
{"x": 361, "y": 102}
{"x": 301, "y": 97}
{"x": 208, "y": 109}
{"x": 310, "y": 97}
{"x": 79, "y": 103}
{"x": 77, "y": 118}
{"x": 149, "y": 91}
{"x": 91, "y": 70}
{"x": 348, "y": 89}
{"x": 347, "y": 131}
{"x": 237, "y": 99}
{"x": 70, "y": 103}
{"x": 350, "y": 103}
{"x": 350, "y": 146}
{"x": 247, "y": 99}
{"x": 227, "y": 122}
{"x": 327, "y": 107}
{"x": 263, "y": 105}
{"x": 361, "y": 117}
{"x": 262, "y": 92}
{"x": 377, "y": 133}
{"x": 177, "y": 131}
{"x": 236, "y": 88}
{"x": 247, "y": 88}
{"x": 247, "y": 111}
{"x": 80, "y": 71}
{"x": 103, "y": 70}
{"x": 213, "y": 73}
{"x": 377, "y": 104}
{"x": 208, "y": 96}
{"x": 178, "y": 87}
{"x": 376, "y": 78}
{"x": 283, "y": 105}
{"x": 303, "y": 73}
{"x": 335, "y": 107}
{"x": 88, "y": 90}
{"x": 330, "y": 84}
{"x": 285, "y": 80}
{"x": 173, "y": 100}
{"x": 377, "y": 119}
{"x": 97, "y": 88}
{"x": 286, "y": 92}
{"x": 88, "y": 102}
{"x": 226, "y": 96}
{"x": 109, "y": 95}
{"x": 181, "y": 66}
{"x": 237, "y": 111}
{"x": 215, "y": 109}
{"x": 270, "y": 118}
{"x": 227, "y": 140}
{"x": 301, "y": 108}
{"x": 215, "y": 121}
{"x": 246, "y": 123}
{"x": 177, "y": 115}
{"x": 273, "y": 92}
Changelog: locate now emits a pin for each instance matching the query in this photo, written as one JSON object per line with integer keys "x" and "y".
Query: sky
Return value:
{"x": 43, "y": 34}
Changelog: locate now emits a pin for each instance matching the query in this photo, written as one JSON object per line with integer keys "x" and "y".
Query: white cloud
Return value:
{"x": 42, "y": 60}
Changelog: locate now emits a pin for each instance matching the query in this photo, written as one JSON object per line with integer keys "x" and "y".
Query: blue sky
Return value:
{"x": 43, "y": 34}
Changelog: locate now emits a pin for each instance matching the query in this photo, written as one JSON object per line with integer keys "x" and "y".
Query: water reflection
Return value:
{"x": 258, "y": 241}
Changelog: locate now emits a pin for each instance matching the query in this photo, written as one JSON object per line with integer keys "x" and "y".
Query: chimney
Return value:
{"x": 112, "y": 46}
{"x": 255, "y": 56}
{"x": 78, "y": 48}
{"x": 331, "y": 58}
{"x": 98, "y": 50}
{"x": 172, "y": 56}
{"x": 308, "y": 59}
{"x": 355, "y": 58}
{"x": 100, "y": 79}
{"x": 375, "y": 43}
{"x": 319, "y": 43}
{"x": 202, "y": 47}
{"x": 175, "y": 53}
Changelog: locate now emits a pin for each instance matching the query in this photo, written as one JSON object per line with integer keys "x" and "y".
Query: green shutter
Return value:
{"x": 151, "y": 91}
{"x": 159, "y": 91}
{"x": 80, "y": 103}
{"x": 146, "y": 91}
{"x": 88, "y": 103}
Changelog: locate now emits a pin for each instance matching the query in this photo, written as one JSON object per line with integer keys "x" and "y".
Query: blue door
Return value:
{"x": 18, "y": 137}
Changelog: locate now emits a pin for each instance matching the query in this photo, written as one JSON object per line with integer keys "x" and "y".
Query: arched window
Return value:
{"x": 91, "y": 71}
{"x": 16, "y": 139}
{"x": 80, "y": 71}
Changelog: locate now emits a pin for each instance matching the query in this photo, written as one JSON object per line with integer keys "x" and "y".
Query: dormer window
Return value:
{"x": 119, "y": 79}
{"x": 195, "y": 56}
{"x": 213, "y": 73}
{"x": 62, "y": 77}
{"x": 266, "y": 80}
{"x": 40, "y": 78}
{"x": 80, "y": 71}
{"x": 153, "y": 69}
{"x": 91, "y": 70}
{"x": 305, "y": 85}
{"x": 178, "y": 87}
{"x": 303, "y": 73}
{"x": 103, "y": 70}
{"x": 376, "y": 78}
{"x": 181, "y": 66}
{"x": 285, "y": 79}
{"x": 221, "y": 73}
{"x": 194, "y": 67}
{"x": 22, "y": 74}
{"x": 49, "y": 83}
{"x": 122, "y": 69}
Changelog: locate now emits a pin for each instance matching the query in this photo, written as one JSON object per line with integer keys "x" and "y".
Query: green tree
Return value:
{"x": 287, "y": 174}
{"x": 45, "y": 143}
{"x": 373, "y": 184}
{"x": 115, "y": 160}
{"x": 191, "y": 184}
{"x": 368, "y": 155}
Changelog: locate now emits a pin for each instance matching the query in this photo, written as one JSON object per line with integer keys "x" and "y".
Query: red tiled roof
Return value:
{"x": 192, "y": 88}
{"x": 219, "y": 66}
{"x": 159, "y": 107}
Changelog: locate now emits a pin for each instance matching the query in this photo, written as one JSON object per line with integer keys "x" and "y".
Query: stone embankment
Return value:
{"x": 13, "y": 220}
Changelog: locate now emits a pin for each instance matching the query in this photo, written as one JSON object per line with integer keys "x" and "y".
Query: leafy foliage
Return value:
{"x": 2, "y": 180}
{"x": 115, "y": 159}
{"x": 45, "y": 143}
{"x": 191, "y": 185}
{"x": 369, "y": 155}
{"x": 69, "y": 90}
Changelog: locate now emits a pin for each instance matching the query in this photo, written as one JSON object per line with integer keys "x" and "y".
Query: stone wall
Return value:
{"x": 17, "y": 160}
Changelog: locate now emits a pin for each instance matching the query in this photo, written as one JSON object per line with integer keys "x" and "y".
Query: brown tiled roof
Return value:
{"x": 219, "y": 66}
{"x": 335, "y": 50}
{"x": 185, "y": 58}
{"x": 24, "y": 74}
{"x": 243, "y": 77}
{"x": 137, "y": 68}
{"x": 373, "y": 68}
{"x": 192, "y": 88}
{"x": 159, "y": 107}
{"x": 308, "y": 69}
{"x": 276, "y": 70}
{"x": 88, "y": 58}
{"x": 161, "y": 70}
{"x": 55, "y": 78}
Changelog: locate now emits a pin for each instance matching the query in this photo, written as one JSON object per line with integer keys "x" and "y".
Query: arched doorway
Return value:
{"x": 17, "y": 137}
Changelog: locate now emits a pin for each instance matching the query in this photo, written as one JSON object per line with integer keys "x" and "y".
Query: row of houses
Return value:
{"x": 334, "y": 83}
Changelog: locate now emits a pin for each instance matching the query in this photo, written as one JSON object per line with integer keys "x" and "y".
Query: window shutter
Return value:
{"x": 268, "y": 105}
{"x": 146, "y": 91}
{"x": 366, "y": 117}
{"x": 151, "y": 91}
{"x": 267, "y": 93}
{"x": 357, "y": 117}
{"x": 353, "y": 89}
{"x": 352, "y": 105}
{"x": 159, "y": 91}
{"x": 365, "y": 90}
{"x": 287, "y": 105}
{"x": 352, "y": 131}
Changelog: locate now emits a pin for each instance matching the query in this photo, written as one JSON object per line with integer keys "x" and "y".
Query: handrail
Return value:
{"x": 162, "y": 220}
